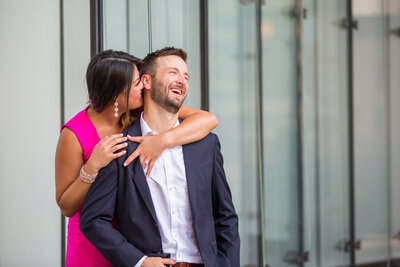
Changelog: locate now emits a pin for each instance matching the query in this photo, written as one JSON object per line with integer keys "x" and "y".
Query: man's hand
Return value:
{"x": 157, "y": 262}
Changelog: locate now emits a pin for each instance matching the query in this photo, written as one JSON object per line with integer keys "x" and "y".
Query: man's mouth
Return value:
{"x": 177, "y": 91}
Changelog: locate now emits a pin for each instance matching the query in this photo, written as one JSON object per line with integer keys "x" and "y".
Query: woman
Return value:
{"x": 90, "y": 140}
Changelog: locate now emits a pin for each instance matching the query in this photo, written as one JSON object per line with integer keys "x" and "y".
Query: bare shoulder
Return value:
{"x": 68, "y": 142}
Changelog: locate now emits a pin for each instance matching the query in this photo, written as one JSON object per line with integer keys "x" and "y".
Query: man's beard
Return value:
{"x": 160, "y": 95}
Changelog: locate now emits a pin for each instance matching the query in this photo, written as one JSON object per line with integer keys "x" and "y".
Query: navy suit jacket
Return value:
{"x": 122, "y": 193}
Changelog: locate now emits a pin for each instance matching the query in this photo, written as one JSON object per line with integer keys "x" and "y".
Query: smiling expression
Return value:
{"x": 170, "y": 83}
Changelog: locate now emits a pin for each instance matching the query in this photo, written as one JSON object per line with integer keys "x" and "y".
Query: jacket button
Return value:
{"x": 160, "y": 251}
{"x": 156, "y": 225}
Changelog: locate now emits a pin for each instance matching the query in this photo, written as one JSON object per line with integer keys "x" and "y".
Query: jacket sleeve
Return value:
{"x": 225, "y": 217}
{"x": 97, "y": 214}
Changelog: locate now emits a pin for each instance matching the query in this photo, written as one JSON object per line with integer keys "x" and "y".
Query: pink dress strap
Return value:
{"x": 80, "y": 252}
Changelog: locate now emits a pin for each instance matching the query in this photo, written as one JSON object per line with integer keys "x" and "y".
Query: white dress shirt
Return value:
{"x": 169, "y": 191}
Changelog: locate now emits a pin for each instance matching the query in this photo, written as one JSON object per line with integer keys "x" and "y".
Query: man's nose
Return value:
{"x": 182, "y": 80}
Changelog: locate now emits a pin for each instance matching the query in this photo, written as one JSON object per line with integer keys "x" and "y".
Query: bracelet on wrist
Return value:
{"x": 87, "y": 178}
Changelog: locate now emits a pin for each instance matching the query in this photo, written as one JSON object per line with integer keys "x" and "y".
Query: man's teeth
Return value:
{"x": 176, "y": 91}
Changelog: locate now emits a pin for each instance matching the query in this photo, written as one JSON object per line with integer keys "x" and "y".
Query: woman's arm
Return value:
{"x": 196, "y": 125}
{"x": 71, "y": 191}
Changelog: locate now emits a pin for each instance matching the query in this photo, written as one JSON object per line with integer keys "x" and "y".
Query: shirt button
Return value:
{"x": 170, "y": 188}
{"x": 173, "y": 212}
{"x": 174, "y": 234}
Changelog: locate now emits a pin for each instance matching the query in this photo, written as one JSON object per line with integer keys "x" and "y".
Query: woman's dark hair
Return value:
{"x": 109, "y": 73}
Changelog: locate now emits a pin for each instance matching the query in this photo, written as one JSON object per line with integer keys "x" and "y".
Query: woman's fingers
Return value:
{"x": 119, "y": 154}
{"x": 118, "y": 147}
{"x": 136, "y": 139}
{"x": 132, "y": 156}
{"x": 144, "y": 162}
{"x": 113, "y": 137}
{"x": 149, "y": 168}
{"x": 115, "y": 141}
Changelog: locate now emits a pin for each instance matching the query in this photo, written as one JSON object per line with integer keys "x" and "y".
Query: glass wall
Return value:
{"x": 232, "y": 70}
{"x": 327, "y": 173}
{"x": 141, "y": 26}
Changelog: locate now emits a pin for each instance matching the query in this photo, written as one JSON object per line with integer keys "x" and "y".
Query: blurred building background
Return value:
{"x": 307, "y": 93}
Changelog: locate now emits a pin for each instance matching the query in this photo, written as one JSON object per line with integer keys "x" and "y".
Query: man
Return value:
{"x": 183, "y": 212}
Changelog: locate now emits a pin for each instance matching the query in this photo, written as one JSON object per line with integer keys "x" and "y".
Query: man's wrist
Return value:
{"x": 140, "y": 262}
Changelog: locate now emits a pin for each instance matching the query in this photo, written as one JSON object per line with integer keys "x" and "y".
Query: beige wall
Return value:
{"x": 30, "y": 118}
{"x": 30, "y": 122}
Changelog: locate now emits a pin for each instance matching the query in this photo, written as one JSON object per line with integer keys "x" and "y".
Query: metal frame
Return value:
{"x": 299, "y": 108}
{"x": 259, "y": 121}
{"x": 62, "y": 115}
{"x": 205, "y": 103}
{"x": 96, "y": 26}
{"x": 351, "y": 132}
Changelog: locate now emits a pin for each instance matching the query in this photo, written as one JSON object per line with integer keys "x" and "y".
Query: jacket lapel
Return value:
{"x": 138, "y": 176}
{"x": 189, "y": 157}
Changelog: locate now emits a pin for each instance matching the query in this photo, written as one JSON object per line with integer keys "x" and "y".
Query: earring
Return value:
{"x": 116, "y": 108}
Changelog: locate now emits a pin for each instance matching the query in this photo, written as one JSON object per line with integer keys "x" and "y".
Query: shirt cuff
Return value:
{"x": 139, "y": 263}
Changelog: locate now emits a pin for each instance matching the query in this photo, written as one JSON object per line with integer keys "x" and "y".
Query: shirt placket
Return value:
{"x": 173, "y": 201}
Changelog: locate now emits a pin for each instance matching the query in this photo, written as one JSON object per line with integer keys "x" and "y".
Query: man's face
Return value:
{"x": 170, "y": 83}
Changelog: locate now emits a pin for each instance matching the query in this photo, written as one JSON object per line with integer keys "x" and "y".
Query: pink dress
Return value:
{"x": 80, "y": 252}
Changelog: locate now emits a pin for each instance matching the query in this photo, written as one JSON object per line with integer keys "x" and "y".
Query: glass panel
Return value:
{"x": 371, "y": 132}
{"x": 115, "y": 25}
{"x": 280, "y": 132}
{"x": 394, "y": 83}
{"x": 232, "y": 65}
{"x": 325, "y": 133}
{"x": 177, "y": 23}
{"x": 126, "y": 27}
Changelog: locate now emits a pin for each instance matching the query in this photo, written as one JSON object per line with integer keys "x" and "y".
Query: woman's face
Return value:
{"x": 135, "y": 95}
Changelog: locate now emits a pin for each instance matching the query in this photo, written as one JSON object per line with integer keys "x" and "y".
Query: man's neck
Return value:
{"x": 157, "y": 118}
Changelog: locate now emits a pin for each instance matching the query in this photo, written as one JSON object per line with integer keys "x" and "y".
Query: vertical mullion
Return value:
{"x": 299, "y": 108}
{"x": 205, "y": 102}
{"x": 62, "y": 115}
{"x": 351, "y": 131}
{"x": 387, "y": 15}
{"x": 259, "y": 121}
{"x": 96, "y": 26}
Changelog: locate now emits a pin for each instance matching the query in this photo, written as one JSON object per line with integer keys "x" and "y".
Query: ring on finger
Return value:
{"x": 146, "y": 162}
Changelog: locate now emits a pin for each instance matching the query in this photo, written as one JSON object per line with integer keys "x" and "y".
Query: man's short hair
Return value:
{"x": 149, "y": 62}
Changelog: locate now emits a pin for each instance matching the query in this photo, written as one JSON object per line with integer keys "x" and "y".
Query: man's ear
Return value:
{"x": 146, "y": 80}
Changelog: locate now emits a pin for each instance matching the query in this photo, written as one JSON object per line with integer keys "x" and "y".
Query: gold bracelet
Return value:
{"x": 87, "y": 178}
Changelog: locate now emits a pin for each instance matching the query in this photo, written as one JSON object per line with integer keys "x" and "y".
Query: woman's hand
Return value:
{"x": 104, "y": 152}
{"x": 150, "y": 148}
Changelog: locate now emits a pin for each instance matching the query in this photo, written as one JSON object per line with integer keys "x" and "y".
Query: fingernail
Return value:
{"x": 125, "y": 164}
{"x": 129, "y": 135}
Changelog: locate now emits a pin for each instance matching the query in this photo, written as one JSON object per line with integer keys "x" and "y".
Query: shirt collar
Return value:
{"x": 146, "y": 129}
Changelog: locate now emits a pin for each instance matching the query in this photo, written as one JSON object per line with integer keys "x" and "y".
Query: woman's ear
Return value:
{"x": 146, "y": 80}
